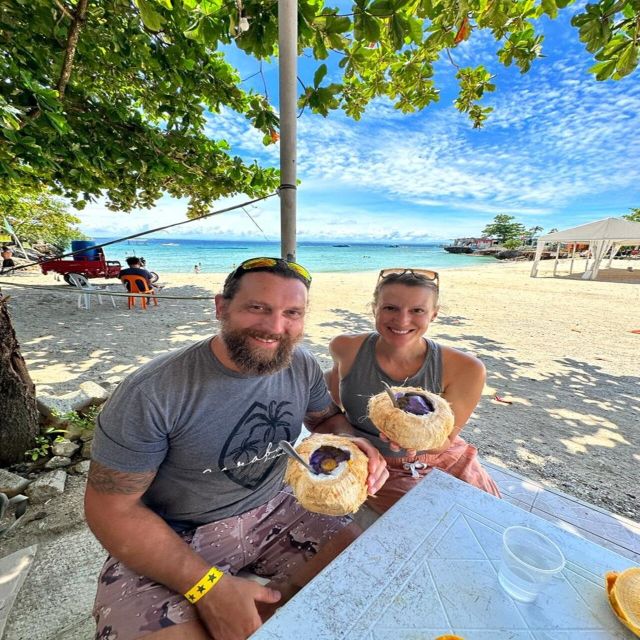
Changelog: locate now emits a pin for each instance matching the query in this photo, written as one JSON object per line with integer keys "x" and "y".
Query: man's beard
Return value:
{"x": 253, "y": 359}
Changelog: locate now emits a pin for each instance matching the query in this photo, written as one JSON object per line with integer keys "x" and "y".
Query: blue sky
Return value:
{"x": 559, "y": 149}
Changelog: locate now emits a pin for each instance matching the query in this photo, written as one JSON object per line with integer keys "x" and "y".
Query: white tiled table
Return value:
{"x": 429, "y": 567}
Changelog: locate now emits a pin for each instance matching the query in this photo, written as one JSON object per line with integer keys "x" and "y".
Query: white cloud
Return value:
{"x": 556, "y": 143}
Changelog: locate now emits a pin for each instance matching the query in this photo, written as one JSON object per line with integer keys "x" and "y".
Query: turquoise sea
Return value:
{"x": 180, "y": 256}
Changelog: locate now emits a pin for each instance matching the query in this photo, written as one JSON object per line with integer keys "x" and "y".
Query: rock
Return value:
{"x": 89, "y": 393}
{"x": 86, "y": 435}
{"x": 64, "y": 448}
{"x": 86, "y": 449}
{"x": 57, "y": 462}
{"x": 12, "y": 484}
{"x": 73, "y": 431}
{"x": 47, "y": 486}
{"x": 82, "y": 467}
{"x": 96, "y": 392}
{"x": 508, "y": 254}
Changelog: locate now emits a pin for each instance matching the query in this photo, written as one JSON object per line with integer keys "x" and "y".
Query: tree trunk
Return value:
{"x": 18, "y": 412}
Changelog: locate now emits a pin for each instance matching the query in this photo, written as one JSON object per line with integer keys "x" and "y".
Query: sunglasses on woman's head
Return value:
{"x": 266, "y": 263}
{"x": 428, "y": 274}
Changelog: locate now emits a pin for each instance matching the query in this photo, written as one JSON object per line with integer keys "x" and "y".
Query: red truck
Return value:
{"x": 100, "y": 268}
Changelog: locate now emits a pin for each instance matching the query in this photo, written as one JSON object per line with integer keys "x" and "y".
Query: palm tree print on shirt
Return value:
{"x": 246, "y": 457}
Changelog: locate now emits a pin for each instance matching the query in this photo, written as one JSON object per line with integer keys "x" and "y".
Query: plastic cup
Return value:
{"x": 529, "y": 562}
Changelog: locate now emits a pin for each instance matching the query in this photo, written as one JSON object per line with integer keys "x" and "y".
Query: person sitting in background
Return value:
{"x": 7, "y": 260}
{"x": 405, "y": 301}
{"x": 135, "y": 269}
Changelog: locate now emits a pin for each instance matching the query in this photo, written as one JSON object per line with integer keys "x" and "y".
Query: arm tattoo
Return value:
{"x": 313, "y": 419}
{"x": 106, "y": 480}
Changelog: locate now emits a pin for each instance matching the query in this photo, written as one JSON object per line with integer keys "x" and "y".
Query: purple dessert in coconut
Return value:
{"x": 412, "y": 417}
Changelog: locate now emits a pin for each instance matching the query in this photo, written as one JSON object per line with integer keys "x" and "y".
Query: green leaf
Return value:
{"x": 550, "y": 8}
{"x": 397, "y": 30}
{"x": 209, "y": 7}
{"x": 165, "y": 3}
{"x": 415, "y": 29}
{"x": 427, "y": 8}
{"x": 151, "y": 18}
{"x": 319, "y": 47}
{"x": 628, "y": 60}
{"x": 603, "y": 70}
{"x": 370, "y": 28}
{"x": 320, "y": 73}
{"x": 338, "y": 24}
{"x": 336, "y": 41}
{"x": 382, "y": 8}
{"x": 58, "y": 121}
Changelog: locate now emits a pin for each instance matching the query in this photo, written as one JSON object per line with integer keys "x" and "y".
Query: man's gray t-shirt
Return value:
{"x": 210, "y": 433}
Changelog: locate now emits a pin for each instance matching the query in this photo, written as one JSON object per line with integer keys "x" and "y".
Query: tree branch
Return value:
{"x": 79, "y": 16}
{"x": 63, "y": 9}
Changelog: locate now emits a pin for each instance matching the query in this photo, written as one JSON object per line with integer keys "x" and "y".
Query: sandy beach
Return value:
{"x": 560, "y": 350}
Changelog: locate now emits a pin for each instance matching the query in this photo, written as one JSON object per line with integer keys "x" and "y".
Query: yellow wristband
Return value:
{"x": 201, "y": 587}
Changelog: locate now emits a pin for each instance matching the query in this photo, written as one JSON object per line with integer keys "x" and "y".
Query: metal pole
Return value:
{"x": 288, "y": 45}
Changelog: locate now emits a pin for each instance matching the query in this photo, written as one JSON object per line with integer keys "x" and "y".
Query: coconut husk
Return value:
{"x": 408, "y": 430}
{"x": 623, "y": 590}
{"x": 332, "y": 495}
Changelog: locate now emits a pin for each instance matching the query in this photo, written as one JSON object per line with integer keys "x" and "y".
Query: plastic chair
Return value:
{"x": 139, "y": 285}
{"x": 84, "y": 299}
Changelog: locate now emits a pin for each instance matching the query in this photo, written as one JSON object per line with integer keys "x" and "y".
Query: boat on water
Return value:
{"x": 340, "y": 245}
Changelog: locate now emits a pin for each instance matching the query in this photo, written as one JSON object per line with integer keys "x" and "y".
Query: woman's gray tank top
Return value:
{"x": 365, "y": 380}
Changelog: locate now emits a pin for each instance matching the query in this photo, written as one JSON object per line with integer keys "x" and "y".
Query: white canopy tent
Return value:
{"x": 601, "y": 236}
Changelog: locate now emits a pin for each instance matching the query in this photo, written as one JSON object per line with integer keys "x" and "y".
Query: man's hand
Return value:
{"x": 378, "y": 473}
{"x": 229, "y": 610}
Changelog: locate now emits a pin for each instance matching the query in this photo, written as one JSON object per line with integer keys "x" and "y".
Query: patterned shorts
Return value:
{"x": 270, "y": 541}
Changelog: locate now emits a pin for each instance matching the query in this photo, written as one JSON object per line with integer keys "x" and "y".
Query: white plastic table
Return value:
{"x": 429, "y": 567}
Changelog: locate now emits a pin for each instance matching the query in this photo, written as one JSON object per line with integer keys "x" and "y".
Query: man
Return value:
{"x": 135, "y": 269}
{"x": 7, "y": 260}
{"x": 186, "y": 476}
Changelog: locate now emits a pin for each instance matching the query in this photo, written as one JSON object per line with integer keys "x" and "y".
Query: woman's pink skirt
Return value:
{"x": 460, "y": 460}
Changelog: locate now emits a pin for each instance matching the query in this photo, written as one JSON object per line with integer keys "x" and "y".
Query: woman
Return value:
{"x": 405, "y": 301}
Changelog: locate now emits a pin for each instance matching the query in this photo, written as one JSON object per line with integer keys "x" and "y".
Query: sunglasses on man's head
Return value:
{"x": 428, "y": 274}
{"x": 270, "y": 263}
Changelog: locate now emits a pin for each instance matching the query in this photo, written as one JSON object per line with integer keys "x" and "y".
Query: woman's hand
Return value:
{"x": 412, "y": 453}
{"x": 394, "y": 446}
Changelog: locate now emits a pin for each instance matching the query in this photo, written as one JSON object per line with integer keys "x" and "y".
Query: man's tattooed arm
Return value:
{"x": 106, "y": 480}
{"x": 329, "y": 420}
